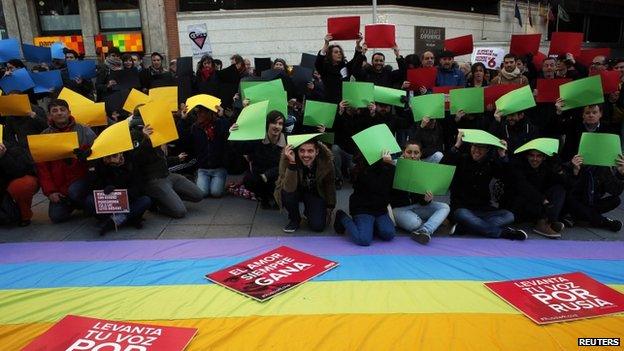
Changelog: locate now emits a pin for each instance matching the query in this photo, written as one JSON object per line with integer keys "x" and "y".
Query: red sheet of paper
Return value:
{"x": 559, "y": 298}
{"x": 587, "y": 55}
{"x": 459, "y": 46}
{"x": 344, "y": 28}
{"x": 445, "y": 90}
{"x": 538, "y": 59}
{"x": 493, "y": 92}
{"x": 380, "y": 35}
{"x": 523, "y": 44}
{"x": 610, "y": 81}
{"x": 422, "y": 77}
{"x": 565, "y": 42}
{"x": 548, "y": 89}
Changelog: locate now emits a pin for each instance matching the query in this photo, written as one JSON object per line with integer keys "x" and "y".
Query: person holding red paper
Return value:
{"x": 448, "y": 73}
{"x": 428, "y": 59}
{"x": 378, "y": 72}
{"x": 334, "y": 68}
{"x": 567, "y": 67}
{"x": 510, "y": 74}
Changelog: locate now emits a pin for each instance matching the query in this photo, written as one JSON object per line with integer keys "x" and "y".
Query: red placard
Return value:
{"x": 380, "y": 35}
{"x": 493, "y": 92}
{"x": 610, "y": 81}
{"x": 459, "y": 46}
{"x": 538, "y": 59}
{"x": 271, "y": 273}
{"x": 344, "y": 28}
{"x": 565, "y": 42}
{"x": 115, "y": 202}
{"x": 559, "y": 298}
{"x": 548, "y": 89}
{"x": 74, "y": 333}
{"x": 422, "y": 77}
{"x": 587, "y": 55}
{"x": 445, "y": 90}
{"x": 523, "y": 44}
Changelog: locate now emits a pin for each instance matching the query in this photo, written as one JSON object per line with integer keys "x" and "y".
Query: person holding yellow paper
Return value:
{"x": 470, "y": 191}
{"x": 19, "y": 127}
{"x": 64, "y": 181}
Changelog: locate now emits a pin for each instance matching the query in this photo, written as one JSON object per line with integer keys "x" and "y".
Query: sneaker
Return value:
{"x": 546, "y": 231}
{"x": 421, "y": 236}
{"x": 338, "y": 227}
{"x": 291, "y": 227}
{"x": 514, "y": 234}
{"x": 557, "y": 226}
{"x": 567, "y": 221}
{"x": 613, "y": 225}
{"x": 453, "y": 228}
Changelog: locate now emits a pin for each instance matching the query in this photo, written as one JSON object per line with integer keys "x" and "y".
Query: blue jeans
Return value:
{"x": 436, "y": 157}
{"x": 482, "y": 222}
{"x": 411, "y": 217}
{"x": 363, "y": 226}
{"x": 315, "y": 208}
{"x": 211, "y": 181}
{"x": 76, "y": 194}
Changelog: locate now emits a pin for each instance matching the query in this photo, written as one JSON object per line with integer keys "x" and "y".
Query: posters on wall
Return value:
{"x": 492, "y": 58}
{"x": 198, "y": 36}
{"x": 428, "y": 39}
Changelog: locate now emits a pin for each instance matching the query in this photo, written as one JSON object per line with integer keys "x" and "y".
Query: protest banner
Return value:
{"x": 559, "y": 298}
{"x": 77, "y": 333}
{"x": 271, "y": 273}
{"x": 114, "y": 202}
{"x": 198, "y": 35}
{"x": 492, "y": 58}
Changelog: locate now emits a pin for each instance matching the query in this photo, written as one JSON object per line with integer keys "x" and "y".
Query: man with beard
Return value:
{"x": 448, "y": 74}
{"x": 510, "y": 74}
{"x": 378, "y": 72}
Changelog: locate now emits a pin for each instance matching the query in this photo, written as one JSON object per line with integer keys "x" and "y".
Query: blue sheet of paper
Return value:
{"x": 84, "y": 69}
{"x": 47, "y": 81}
{"x": 19, "y": 80}
{"x": 9, "y": 49}
{"x": 57, "y": 51}
{"x": 37, "y": 54}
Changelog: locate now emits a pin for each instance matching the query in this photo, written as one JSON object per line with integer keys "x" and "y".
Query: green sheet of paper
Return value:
{"x": 516, "y": 101}
{"x": 470, "y": 100}
{"x": 389, "y": 96}
{"x": 327, "y": 138}
{"x": 358, "y": 94}
{"x": 429, "y": 105}
{"x": 317, "y": 113}
{"x": 279, "y": 102}
{"x": 599, "y": 149}
{"x": 373, "y": 140}
{"x": 273, "y": 85}
{"x": 477, "y": 136}
{"x": 582, "y": 92}
{"x": 548, "y": 146}
{"x": 420, "y": 177}
{"x": 296, "y": 140}
{"x": 251, "y": 122}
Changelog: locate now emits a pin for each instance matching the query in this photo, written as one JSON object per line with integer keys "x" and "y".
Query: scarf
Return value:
{"x": 511, "y": 76}
{"x": 206, "y": 73}
{"x": 113, "y": 63}
{"x": 153, "y": 71}
{"x": 209, "y": 129}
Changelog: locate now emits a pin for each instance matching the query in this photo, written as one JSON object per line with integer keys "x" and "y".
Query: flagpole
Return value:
{"x": 513, "y": 21}
{"x": 374, "y": 11}
{"x": 558, "y": 15}
{"x": 526, "y": 28}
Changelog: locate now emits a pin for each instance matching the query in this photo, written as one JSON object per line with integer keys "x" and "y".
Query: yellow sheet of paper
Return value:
{"x": 135, "y": 98}
{"x": 52, "y": 146}
{"x": 208, "y": 101}
{"x": 92, "y": 115}
{"x": 73, "y": 98}
{"x": 165, "y": 94}
{"x": 114, "y": 139}
{"x": 156, "y": 115}
{"x": 14, "y": 105}
{"x": 1, "y": 133}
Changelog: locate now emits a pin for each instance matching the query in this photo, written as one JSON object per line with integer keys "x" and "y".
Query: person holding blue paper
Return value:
{"x": 82, "y": 86}
{"x": 417, "y": 213}
{"x": 368, "y": 204}
{"x": 470, "y": 192}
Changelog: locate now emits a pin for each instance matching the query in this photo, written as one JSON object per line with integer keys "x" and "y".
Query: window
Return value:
{"x": 119, "y": 14}
{"x": 58, "y": 16}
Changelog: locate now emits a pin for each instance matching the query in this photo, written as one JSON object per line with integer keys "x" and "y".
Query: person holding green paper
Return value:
{"x": 417, "y": 213}
{"x": 514, "y": 128}
{"x": 264, "y": 157}
{"x": 306, "y": 174}
{"x": 535, "y": 192}
{"x": 595, "y": 191}
{"x": 430, "y": 136}
{"x": 470, "y": 192}
{"x": 368, "y": 204}
{"x": 573, "y": 129}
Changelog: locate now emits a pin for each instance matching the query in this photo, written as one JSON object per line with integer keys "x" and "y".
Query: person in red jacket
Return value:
{"x": 64, "y": 181}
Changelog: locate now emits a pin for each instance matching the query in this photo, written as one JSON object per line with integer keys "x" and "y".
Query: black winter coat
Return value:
{"x": 371, "y": 190}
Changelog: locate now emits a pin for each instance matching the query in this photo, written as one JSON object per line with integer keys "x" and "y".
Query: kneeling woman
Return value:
{"x": 368, "y": 205}
{"x": 411, "y": 210}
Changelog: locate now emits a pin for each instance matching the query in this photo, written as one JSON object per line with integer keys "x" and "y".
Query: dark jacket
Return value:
{"x": 517, "y": 135}
{"x": 334, "y": 75}
{"x": 532, "y": 183}
{"x": 150, "y": 160}
{"x": 126, "y": 176}
{"x": 15, "y": 163}
{"x": 265, "y": 156}
{"x": 18, "y": 128}
{"x": 573, "y": 132}
{"x": 151, "y": 78}
{"x": 594, "y": 182}
{"x": 210, "y": 152}
{"x": 450, "y": 78}
{"x": 371, "y": 189}
{"x": 470, "y": 187}
{"x": 431, "y": 139}
{"x": 291, "y": 175}
{"x": 386, "y": 78}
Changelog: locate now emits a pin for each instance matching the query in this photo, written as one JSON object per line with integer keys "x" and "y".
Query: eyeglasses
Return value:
{"x": 597, "y": 64}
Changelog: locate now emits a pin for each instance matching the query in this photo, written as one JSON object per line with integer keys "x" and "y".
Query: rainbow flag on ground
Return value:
{"x": 389, "y": 296}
